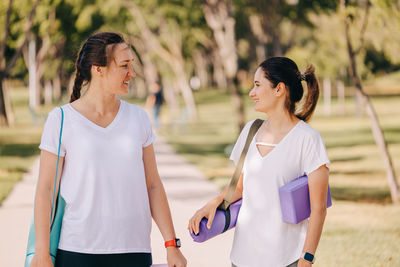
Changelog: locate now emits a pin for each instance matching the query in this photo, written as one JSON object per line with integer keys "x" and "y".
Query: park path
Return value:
{"x": 187, "y": 190}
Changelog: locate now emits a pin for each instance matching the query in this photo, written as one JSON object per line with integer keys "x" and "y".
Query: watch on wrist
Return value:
{"x": 174, "y": 243}
{"x": 308, "y": 257}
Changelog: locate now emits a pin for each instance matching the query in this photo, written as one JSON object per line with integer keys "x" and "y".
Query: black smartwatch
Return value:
{"x": 308, "y": 257}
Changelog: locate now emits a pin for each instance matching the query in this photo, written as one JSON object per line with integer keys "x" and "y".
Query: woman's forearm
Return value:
{"x": 160, "y": 211}
{"x": 42, "y": 220}
{"x": 314, "y": 230}
{"x": 44, "y": 199}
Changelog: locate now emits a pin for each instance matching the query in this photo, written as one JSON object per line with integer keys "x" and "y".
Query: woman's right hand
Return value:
{"x": 41, "y": 260}
{"x": 207, "y": 211}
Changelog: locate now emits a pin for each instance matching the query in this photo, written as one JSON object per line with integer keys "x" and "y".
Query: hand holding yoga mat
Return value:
{"x": 227, "y": 213}
{"x": 220, "y": 224}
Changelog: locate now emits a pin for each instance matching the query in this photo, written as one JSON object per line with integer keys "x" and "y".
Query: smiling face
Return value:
{"x": 266, "y": 98}
{"x": 119, "y": 71}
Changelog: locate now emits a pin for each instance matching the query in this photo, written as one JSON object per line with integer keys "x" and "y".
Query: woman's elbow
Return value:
{"x": 319, "y": 210}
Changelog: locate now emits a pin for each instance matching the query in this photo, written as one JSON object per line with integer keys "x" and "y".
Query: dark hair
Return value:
{"x": 93, "y": 52}
{"x": 283, "y": 69}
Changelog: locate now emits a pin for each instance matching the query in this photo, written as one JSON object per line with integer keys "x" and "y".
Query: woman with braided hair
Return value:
{"x": 109, "y": 178}
{"x": 284, "y": 148}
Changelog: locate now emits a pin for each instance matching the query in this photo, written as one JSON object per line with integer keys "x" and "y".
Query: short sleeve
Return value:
{"x": 51, "y": 133}
{"x": 148, "y": 135}
{"x": 315, "y": 154}
{"x": 240, "y": 142}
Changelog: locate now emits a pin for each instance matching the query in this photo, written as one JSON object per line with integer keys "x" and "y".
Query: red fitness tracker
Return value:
{"x": 174, "y": 242}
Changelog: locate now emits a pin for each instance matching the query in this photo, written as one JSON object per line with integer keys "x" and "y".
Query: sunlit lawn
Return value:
{"x": 19, "y": 144}
{"x": 362, "y": 228}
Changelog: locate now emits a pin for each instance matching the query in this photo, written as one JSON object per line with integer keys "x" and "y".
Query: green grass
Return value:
{"x": 360, "y": 234}
{"x": 362, "y": 227}
{"x": 19, "y": 144}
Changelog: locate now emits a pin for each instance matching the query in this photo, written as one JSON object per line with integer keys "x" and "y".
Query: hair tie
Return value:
{"x": 302, "y": 77}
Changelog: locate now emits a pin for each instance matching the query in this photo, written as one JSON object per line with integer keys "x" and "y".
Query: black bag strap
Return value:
{"x": 235, "y": 178}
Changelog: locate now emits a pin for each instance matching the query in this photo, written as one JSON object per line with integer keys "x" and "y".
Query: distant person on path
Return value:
{"x": 109, "y": 177}
{"x": 284, "y": 148}
{"x": 155, "y": 101}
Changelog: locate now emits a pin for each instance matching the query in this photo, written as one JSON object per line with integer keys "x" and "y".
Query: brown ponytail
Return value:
{"x": 93, "y": 52}
{"x": 311, "y": 99}
{"x": 283, "y": 69}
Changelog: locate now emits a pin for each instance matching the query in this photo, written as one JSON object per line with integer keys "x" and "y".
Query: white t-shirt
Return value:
{"x": 103, "y": 180}
{"x": 261, "y": 236}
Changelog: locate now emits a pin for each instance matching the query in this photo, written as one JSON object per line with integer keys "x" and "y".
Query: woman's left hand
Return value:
{"x": 304, "y": 263}
{"x": 175, "y": 257}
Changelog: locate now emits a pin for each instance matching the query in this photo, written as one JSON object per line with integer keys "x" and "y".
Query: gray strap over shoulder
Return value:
{"x": 235, "y": 178}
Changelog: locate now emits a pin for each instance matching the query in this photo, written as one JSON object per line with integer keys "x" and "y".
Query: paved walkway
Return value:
{"x": 187, "y": 190}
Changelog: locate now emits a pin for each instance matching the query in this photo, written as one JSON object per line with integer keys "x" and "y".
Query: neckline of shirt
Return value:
{"x": 277, "y": 144}
{"x": 94, "y": 125}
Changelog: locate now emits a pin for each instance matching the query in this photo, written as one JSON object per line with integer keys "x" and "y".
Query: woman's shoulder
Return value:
{"x": 249, "y": 123}
{"x": 247, "y": 126}
{"x": 134, "y": 110}
{"x": 57, "y": 112}
{"x": 132, "y": 107}
{"x": 308, "y": 131}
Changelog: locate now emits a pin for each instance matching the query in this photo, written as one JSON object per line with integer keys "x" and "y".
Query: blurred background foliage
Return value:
{"x": 305, "y": 30}
{"x": 204, "y": 53}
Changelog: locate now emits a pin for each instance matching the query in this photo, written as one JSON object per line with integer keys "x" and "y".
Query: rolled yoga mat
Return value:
{"x": 218, "y": 224}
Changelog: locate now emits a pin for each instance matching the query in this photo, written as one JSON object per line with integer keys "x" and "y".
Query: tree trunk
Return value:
{"x": 4, "y": 120}
{"x": 33, "y": 95}
{"x": 218, "y": 71}
{"x": 219, "y": 17}
{"x": 5, "y": 106}
{"x": 382, "y": 145}
{"x": 186, "y": 91}
{"x": 57, "y": 87}
{"x": 375, "y": 126}
{"x": 200, "y": 68}
{"x": 238, "y": 105}
{"x": 277, "y": 46}
{"x": 261, "y": 38}
{"x": 170, "y": 96}
{"x": 48, "y": 93}
{"x": 341, "y": 97}
{"x": 70, "y": 85}
{"x": 5, "y": 67}
{"x": 172, "y": 56}
{"x": 327, "y": 96}
{"x": 3, "y": 111}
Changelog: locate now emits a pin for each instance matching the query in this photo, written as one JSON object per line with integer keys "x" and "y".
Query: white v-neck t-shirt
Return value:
{"x": 103, "y": 180}
{"x": 261, "y": 236}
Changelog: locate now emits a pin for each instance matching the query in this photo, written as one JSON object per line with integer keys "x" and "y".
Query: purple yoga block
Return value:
{"x": 295, "y": 200}
{"x": 218, "y": 224}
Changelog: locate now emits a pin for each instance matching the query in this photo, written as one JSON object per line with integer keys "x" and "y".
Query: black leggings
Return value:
{"x": 75, "y": 259}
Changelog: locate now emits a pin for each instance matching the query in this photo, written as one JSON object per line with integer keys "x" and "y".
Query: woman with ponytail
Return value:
{"x": 108, "y": 175}
{"x": 284, "y": 148}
